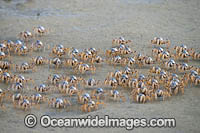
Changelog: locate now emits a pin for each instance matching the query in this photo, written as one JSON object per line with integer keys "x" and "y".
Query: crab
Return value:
{"x": 133, "y": 83}
{"x": 58, "y": 103}
{"x": 130, "y": 61}
{"x": 24, "y": 104}
{"x": 141, "y": 98}
{"x": 155, "y": 70}
{"x": 83, "y": 98}
{"x": 162, "y": 76}
{"x": 160, "y": 41}
{"x": 25, "y": 67}
{"x": 40, "y": 30}
{"x": 6, "y": 65}
{"x": 182, "y": 82}
{"x": 9, "y": 44}
{"x": 117, "y": 74}
{"x": 139, "y": 59}
{"x": 161, "y": 94}
{"x": 16, "y": 97}
{"x": 4, "y": 48}
{"x": 22, "y": 79}
{"x": 183, "y": 67}
{"x": 38, "y": 98}
{"x": 130, "y": 72}
{"x": 73, "y": 80}
{"x": 124, "y": 50}
{"x": 82, "y": 68}
{"x": 194, "y": 55}
{"x": 42, "y": 88}
{"x": 18, "y": 44}
{"x": 97, "y": 60}
{"x": 116, "y": 95}
{"x": 98, "y": 93}
{"x": 73, "y": 52}
{"x": 59, "y": 50}
{"x": 13, "y": 46}
{"x": 123, "y": 80}
{"x": 191, "y": 76}
{"x": 63, "y": 86}
{"x": 26, "y": 35}
{"x": 39, "y": 60}
{"x": 197, "y": 69}
{"x": 54, "y": 79}
{"x": 38, "y": 45}
{"x": 148, "y": 60}
{"x": 157, "y": 51}
{"x": 71, "y": 90}
{"x": 85, "y": 55}
{"x": 183, "y": 55}
{"x": 180, "y": 48}
{"x": 164, "y": 55}
{"x": 141, "y": 78}
{"x": 153, "y": 83}
{"x": 173, "y": 76}
{"x": 121, "y": 40}
{"x": 3, "y": 55}
{"x": 197, "y": 80}
{"x": 72, "y": 62}
{"x": 140, "y": 89}
{"x": 2, "y": 71}
{"x": 22, "y": 50}
{"x": 115, "y": 60}
{"x": 112, "y": 52}
{"x": 175, "y": 88}
{"x": 91, "y": 105}
{"x": 111, "y": 82}
{"x": 170, "y": 64}
{"x": 6, "y": 77}
{"x": 91, "y": 82}
{"x": 141, "y": 84}
{"x": 94, "y": 51}
{"x": 55, "y": 61}
{"x": 17, "y": 87}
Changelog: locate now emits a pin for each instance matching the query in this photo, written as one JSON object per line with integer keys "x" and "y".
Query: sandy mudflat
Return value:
{"x": 90, "y": 23}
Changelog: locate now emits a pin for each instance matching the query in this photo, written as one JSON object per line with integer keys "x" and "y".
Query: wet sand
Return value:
{"x": 92, "y": 23}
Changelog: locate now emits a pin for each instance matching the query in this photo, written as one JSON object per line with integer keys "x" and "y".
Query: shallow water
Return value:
{"x": 91, "y": 23}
